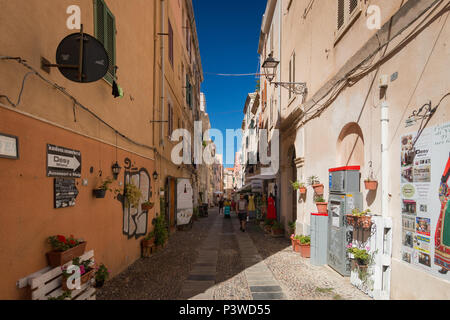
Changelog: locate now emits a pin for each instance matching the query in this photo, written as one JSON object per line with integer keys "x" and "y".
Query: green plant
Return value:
{"x": 361, "y": 255}
{"x": 161, "y": 232}
{"x": 105, "y": 185}
{"x": 150, "y": 236}
{"x": 313, "y": 180}
{"x": 133, "y": 195}
{"x": 277, "y": 226}
{"x": 297, "y": 185}
{"x": 61, "y": 243}
{"x": 64, "y": 296}
{"x": 102, "y": 273}
{"x": 357, "y": 213}
{"x": 292, "y": 225}
{"x": 269, "y": 222}
{"x": 303, "y": 239}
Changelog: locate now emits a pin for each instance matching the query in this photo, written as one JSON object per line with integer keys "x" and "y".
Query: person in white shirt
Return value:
{"x": 242, "y": 212}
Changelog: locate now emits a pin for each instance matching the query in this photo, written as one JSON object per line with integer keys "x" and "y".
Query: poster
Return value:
{"x": 425, "y": 200}
{"x": 185, "y": 202}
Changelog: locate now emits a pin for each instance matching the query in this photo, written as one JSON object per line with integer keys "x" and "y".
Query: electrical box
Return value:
{"x": 319, "y": 239}
{"x": 345, "y": 180}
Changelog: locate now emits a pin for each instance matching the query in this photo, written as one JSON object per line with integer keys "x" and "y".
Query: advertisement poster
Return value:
{"x": 425, "y": 196}
{"x": 185, "y": 202}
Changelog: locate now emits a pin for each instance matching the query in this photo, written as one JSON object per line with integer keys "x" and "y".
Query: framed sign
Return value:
{"x": 9, "y": 146}
{"x": 63, "y": 162}
{"x": 65, "y": 193}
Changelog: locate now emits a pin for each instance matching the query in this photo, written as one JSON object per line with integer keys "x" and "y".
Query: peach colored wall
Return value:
{"x": 28, "y": 217}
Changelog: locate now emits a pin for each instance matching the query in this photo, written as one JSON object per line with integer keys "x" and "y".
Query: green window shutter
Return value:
{"x": 105, "y": 32}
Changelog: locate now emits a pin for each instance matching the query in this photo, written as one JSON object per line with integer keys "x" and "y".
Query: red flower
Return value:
{"x": 72, "y": 242}
{"x": 62, "y": 239}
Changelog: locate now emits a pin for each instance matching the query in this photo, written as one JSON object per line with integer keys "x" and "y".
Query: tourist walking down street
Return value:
{"x": 221, "y": 202}
{"x": 242, "y": 212}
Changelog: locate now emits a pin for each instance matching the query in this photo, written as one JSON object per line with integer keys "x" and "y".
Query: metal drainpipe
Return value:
{"x": 280, "y": 22}
{"x": 384, "y": 159}
{"x": 162, "y": 72}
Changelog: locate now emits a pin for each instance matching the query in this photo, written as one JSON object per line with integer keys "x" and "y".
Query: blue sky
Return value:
{"x": 228, "y": 34}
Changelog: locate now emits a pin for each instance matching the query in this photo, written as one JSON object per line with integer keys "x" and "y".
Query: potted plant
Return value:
{"x": 277, "y": 229}
{"x": 361, "y": 261}
{"x": 101, "y": 275}
{"x": 370, "y": 184}
{"x": 268, "y": 223}
{"x": 360, "y": 219}
{"x": 295, "y": 241}
{"x": 296, "y": 185}
{"x": 149, "y": 240}
{"x": 322, "y": 204}
{"x": 305, "y": 246}
{"x": 64, "y": 249}
{"x": 161, "y": 231}
{"x": 132, "y": 195}
{"x": 317, "y": 186}
{"x": 87, "y": 272}
{"x": 146, "y": 206}
{"x": 100, "y": 192}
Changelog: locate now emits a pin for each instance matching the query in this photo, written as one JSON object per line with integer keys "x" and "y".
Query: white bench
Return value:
{"x": 46, "y": 283}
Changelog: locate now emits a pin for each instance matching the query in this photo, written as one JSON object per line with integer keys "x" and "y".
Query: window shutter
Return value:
{"x": 341, "y": 13}
{"x": 105, "y": 32}
{"x": 170, "y": 43}
{"x": 353, "y": 5}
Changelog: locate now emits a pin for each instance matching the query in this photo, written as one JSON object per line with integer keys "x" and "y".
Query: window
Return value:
{"x": 347, "y": 12}
{"x": 188, "y": 92}
{"x": 170, "y": 44}
{"x": 105, "y": 32}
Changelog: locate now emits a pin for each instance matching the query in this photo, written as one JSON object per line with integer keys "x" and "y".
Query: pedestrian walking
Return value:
{"x": 221, "y": 206}
{"x": 243, "y": 212}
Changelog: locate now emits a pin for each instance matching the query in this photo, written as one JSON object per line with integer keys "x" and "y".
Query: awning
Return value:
{"x": 263, "y": 177}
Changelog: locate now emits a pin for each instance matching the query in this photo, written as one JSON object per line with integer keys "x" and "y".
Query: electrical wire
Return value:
{"x": 75, "y": 101}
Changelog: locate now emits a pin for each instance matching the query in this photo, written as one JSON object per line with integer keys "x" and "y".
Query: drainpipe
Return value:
{"x": 163, "y": 76}
{"x": 384, "y": 159}
{"x": 280, "y": 17}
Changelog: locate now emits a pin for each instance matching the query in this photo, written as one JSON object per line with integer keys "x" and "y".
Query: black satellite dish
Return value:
{"x": 81, "y": 61}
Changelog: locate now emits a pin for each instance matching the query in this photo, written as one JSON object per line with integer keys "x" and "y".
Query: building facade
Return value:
{"x": 153, "y": 52}
{"x": 367, "y": 88}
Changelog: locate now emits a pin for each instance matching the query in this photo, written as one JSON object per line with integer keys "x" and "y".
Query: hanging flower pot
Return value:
{"x": 302, "y": 190}
{"x": 371, "y": 185}
{"x": 351, "y": 220}
{"x": 318, "y": 189}
{"x": 365, "y": 222}
{"x": 147, "y": 206}
{"x": 99, "y": 193}
{"x": 86, "y": 277}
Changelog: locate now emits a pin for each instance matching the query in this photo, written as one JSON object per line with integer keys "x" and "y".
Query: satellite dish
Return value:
{"x": 81, "y": 61}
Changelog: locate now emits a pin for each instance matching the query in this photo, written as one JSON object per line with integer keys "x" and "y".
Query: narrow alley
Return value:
{"x": 216, "y": 261}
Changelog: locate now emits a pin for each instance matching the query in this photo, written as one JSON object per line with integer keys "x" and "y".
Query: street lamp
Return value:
{"x": 116, "y": 170}
{"x": 155, "y": 175}
{"x": 270, "y": 65}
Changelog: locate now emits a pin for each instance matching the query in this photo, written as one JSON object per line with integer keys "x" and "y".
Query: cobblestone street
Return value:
{"x": 216, "y": 261}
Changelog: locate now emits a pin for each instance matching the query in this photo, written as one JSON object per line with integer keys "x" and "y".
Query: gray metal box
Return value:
{"x": 345, "y": 180}
{"x": 319, "y": 239}
{"x": 340, "y": 235}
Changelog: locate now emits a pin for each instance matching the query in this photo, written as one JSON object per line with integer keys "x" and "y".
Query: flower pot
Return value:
{"x": 268, "y": 229}
{"x": 58, "y": 258}
{"x": 296, "y": 245}
{"x": 99, "y": 193}
{"x": 99, "y": 284}
{"x": 322, "y": 207}
{"x": 84, "y": 279}
{"x": 365, "y": 222}
{"x": 371, "y": 185}
{"x": 302, "y": 190}
{"x": 277, "y": 232}
{"x": 147, "y": 207}
{"x": 356, "y": 265}
{"x": 305, "y": 250}
{"x": 318, "y": 189}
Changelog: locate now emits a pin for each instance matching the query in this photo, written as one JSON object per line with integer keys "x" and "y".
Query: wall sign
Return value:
{"x": 63, "y": 162}
{"x": 65, "y": 193}
{"x": 9, "y": 146}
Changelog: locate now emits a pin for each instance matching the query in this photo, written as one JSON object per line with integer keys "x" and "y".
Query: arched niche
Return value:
{"x": 350, "y": 146}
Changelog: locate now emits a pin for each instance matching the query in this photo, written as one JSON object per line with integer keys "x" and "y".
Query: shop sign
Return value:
{"x": 9, "y": 146}
{"x": 63, "y": 162}
{"x": 65, "y": 193}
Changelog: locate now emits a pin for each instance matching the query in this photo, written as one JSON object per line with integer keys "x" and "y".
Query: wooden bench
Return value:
{"x": 47, "y": 283}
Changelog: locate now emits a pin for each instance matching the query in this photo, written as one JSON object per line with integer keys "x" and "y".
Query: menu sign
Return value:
{"x": 63, "y": 162}
{"x": 65, "y": 193}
